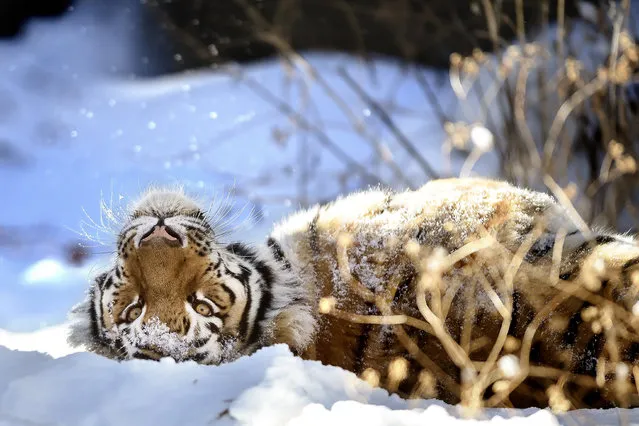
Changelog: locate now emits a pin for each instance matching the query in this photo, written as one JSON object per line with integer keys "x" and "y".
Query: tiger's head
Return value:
{"x": 175, "y": 291}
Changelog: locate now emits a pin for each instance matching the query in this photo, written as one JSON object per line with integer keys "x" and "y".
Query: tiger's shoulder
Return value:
{"x": 486, "y": 256}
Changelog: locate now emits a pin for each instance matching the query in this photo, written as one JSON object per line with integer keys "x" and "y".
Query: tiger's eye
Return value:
{"x": 133, "y": 313}
{"x": 203, "y": 309}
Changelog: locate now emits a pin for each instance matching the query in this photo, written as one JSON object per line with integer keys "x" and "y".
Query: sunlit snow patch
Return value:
{"x": 47, "y": 272}
{"x": 49, "y": 340}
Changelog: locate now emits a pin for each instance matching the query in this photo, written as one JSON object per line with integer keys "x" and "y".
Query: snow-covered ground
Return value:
{"x": 78, "y": 141}
{"x": 271, "y": 387}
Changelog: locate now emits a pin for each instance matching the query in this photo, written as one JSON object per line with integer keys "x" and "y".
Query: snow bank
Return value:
{"x": 49, "y": 340}
{"x": 271, "y": 387}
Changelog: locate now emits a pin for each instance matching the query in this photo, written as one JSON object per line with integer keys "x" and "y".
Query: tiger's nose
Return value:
{"x": 162, "y": 232}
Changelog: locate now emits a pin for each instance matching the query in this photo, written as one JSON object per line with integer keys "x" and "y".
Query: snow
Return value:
{"x": 482, "y": 138}
{"x": 43, "y": 270}
{"x": 509, "y": 365}
{"x": 271, "y": 387}
{"x": 54, "y": 272}
{"x": 156, "y": 333}
{"x": 48, "y": 340}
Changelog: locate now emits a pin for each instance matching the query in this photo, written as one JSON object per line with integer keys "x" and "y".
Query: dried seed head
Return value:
{"x": 615, "y": 149}
{"x": 501, "y": 386}
{"x": 371, "y": 376}
{"x": 455, "y": 59}
{"x": 512, "y": 344}
{"x": 590, "y": 313}
{"x": 596, "y": 326}
{"x": 426, "y": 385}
{"x": 557, "y": 400}
{"x": 397, "y": 371}
{"x": 326, "y": 304}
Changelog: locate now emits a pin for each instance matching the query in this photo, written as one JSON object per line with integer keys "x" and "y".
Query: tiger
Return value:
{"x": 469, "y": 290}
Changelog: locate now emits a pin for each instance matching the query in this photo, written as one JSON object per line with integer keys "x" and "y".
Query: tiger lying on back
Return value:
{"x": 466, "y": 290}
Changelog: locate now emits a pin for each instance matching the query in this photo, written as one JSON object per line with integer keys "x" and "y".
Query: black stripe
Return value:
{"x": 362, "y": 341}
{"x": 267, "y": 278}
{"x": 93, "y": 311}
{"x": 565, "y": 276}
{"x": 141, "y": 355}
{"x": 314, "y": 236}
{"x": 127, "y": 240}
{"x": 228, "y": 290}
{"x": 360, "y": 348}
{"x": 118, "y": 345}
{"x": 266, "y": 300}
{"x": 93, "y": 314}
{"x": 278, "y": 254}
{"x": 588, "y": 359}
{"x": 632, "y": 353}
{"x": 522, "y": 315}
{"x": 243, "y": 278}
{"x": 126, "y": 235}
{"x": 629, "y": 264}
{"x": 604, "y": 239}
{"x": 589, "y": 245}
{"x": 572, "y": 330}
{"x": 160, "y": 215}
{"x": 536, "y": 352}
{"x": 192, "y": 227}
{"x": 198, "y": 357}
{"x": 404, "y": 287}
{"x": 106, "y": 283}
{"x": 540, "y": 248}
{"x": 197, "y": 222}
{"x": 200, "y": 342}
{"x": 242, "y": 251}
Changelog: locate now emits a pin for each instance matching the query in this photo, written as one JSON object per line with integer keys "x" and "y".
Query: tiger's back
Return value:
{"x": 421, "y": 291}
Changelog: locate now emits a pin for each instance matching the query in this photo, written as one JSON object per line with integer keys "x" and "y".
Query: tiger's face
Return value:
{"x": 172, "y": 291}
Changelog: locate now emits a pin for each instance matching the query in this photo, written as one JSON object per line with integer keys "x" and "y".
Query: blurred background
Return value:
{"x": 262, "y": 107}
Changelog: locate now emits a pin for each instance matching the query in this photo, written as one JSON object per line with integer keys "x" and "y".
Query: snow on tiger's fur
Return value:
{"x": 421, "y": 292}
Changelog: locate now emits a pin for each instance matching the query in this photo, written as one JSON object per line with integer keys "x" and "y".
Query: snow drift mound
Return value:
{"x": 272, "y": 387}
